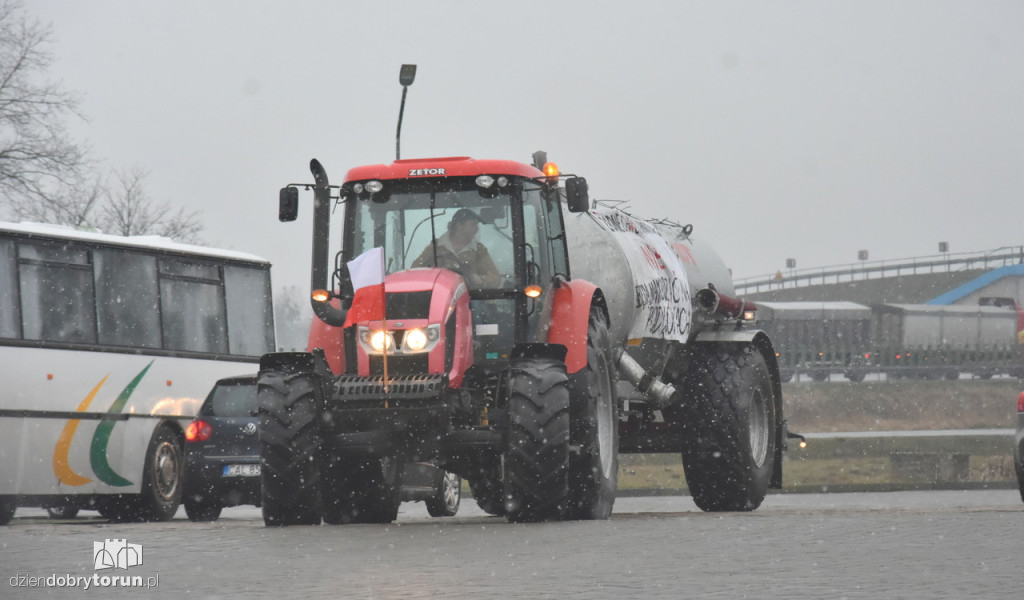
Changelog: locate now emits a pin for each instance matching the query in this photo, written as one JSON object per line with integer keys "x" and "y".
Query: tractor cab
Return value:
{"x": 496, "y": 224}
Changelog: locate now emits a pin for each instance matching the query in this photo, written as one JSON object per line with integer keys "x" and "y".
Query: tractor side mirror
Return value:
{"x": 288, "y": 204}
{"x": 577, "y": 197}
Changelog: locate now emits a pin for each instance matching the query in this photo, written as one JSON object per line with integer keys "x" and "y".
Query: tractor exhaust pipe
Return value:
{"x": 327, "y": 313}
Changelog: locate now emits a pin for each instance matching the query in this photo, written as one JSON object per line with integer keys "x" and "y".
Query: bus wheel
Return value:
{"x": 62, "y": 512}
{"x": 162, "y": 478}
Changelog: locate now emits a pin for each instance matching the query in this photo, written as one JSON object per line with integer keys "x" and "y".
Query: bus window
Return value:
{"x": 250, "y": 317}
{"x": 57, "y": 298}
{"x": 126, "y": 299}
{"x": 9, "y": 315}
{"x": 192, "y": 307}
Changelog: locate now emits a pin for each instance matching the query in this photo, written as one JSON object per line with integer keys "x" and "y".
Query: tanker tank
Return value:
{"x": 649, "y": 272}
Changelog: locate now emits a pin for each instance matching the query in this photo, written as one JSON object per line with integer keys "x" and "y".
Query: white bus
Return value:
{"x": 108, "y": 346}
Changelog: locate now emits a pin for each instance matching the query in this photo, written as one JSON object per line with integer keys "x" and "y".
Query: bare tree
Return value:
{"x": 38, "y": 161}
{"x": 126, "y": 209}
{"x": 292, "y": 317}
{"x": 44, "y": 175}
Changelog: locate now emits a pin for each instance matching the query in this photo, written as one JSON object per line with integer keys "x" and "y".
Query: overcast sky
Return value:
{"x": 806, "y": 130}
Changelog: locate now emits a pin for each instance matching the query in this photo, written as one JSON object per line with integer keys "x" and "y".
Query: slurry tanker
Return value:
{"x": 523, "y": 356}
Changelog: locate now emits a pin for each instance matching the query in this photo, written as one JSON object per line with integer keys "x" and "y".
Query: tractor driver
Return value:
{"x": 458, "y": 250}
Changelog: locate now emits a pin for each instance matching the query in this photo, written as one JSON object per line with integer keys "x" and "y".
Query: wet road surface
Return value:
{"x": 948, "y": 544}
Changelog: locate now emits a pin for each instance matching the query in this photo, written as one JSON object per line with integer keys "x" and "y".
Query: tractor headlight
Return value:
{"x": 381, "y": 339}
{"x": 421, "y": 340}
{"x": 374, "y": 340}
{"x": 415, "y": 340}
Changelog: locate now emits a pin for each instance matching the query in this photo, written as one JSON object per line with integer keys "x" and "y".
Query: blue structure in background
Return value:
{"x": 978, "y": 283}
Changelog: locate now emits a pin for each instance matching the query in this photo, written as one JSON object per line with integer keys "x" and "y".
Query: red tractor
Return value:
{"x": 508, "y": 373}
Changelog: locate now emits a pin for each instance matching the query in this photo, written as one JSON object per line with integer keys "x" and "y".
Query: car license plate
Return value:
{"x": 251, "y": 470}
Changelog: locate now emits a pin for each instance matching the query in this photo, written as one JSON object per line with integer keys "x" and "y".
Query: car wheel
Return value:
{"x": 449, "y": 495}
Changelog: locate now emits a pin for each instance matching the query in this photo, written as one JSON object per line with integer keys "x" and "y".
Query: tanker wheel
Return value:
{"x": 360, "y": 490}
{"x": 537, "y": 447}
{"x": 488, "y": 491}
{"x": 8, "y": 505}
{"x": 593, "y": 428}
{"x": 731, "y": 430}
{"x": 290, "y": 412}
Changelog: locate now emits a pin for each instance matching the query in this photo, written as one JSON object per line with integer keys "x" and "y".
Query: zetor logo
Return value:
{"x": 421, "y": 172}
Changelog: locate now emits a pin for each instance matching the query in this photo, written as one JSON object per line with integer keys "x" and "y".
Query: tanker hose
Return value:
{"x": 657, "y": 391}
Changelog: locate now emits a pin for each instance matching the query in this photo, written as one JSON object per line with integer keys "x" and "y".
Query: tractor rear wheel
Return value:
{"x": 290, "y": 412}
{"x": 731, "y": 430}
{"x": 488, "y": 491}
{"x": 537, "y": 450}
{"x": 593, "y": 427}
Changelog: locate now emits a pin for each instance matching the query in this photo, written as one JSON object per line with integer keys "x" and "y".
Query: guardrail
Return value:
{"x": 918, "y": 460}
{"x": 937, "y": 263}
{"x": 852, "y": 444}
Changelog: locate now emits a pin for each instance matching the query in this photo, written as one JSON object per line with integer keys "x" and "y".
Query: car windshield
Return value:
{"x": 237, "y": 399}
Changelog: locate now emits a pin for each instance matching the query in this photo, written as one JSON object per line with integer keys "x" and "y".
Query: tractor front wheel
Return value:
{"x": 290, "y": 412}
{"x": 537, "y": 449}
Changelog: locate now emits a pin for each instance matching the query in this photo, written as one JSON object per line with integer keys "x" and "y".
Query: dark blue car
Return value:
{"x": 222, "y": 459}
{"x": 222, "y": 451}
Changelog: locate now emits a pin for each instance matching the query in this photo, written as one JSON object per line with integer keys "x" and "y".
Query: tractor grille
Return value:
{"x": 399, "y": 365}
{"x": 411, "y": 387}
